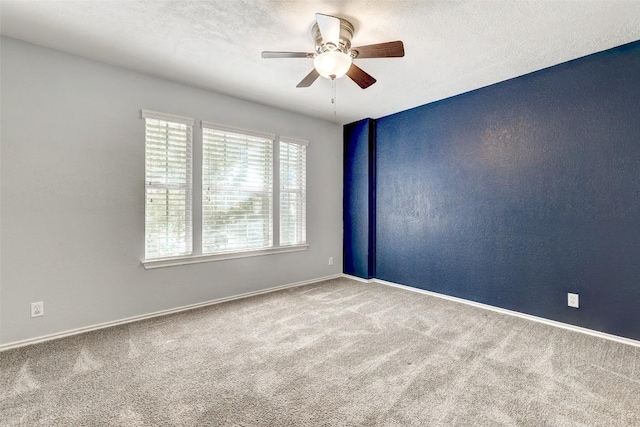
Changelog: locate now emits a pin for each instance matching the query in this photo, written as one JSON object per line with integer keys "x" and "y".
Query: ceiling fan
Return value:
{"x": 333, "y": 56}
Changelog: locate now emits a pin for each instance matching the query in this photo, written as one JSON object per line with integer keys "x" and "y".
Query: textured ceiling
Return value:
{"x": 451, "y": 46}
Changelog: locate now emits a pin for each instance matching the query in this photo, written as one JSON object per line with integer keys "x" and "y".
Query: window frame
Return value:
{"x": 197, "y": 186}
{"x": 268, "y": 192}
{"x": 186, "y": 187}
{"x": 300, "y": 192}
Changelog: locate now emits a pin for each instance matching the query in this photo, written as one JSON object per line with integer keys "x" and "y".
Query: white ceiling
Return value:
{"x": 451, "y": 46}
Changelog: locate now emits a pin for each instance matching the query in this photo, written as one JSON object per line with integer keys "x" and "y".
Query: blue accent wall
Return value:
{"x": 517, "y": 193}
{"x": 359, "y": 199}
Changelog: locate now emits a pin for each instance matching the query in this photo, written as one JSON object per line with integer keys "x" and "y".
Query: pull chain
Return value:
{"x": 333, "y": 96}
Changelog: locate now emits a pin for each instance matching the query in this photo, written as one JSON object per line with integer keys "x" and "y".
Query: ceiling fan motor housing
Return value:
{"x": 346, "y": 34}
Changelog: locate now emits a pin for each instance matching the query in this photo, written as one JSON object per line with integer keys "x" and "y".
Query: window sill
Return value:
{"x": 195, "y": 259}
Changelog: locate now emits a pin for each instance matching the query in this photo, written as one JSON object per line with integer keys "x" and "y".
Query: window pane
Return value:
{"x": 168, "y": 189}
{"x": 237, "y": 191}
{"x": 293, "y": 193}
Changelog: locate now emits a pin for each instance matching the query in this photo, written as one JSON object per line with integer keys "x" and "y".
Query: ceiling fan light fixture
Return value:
{"x": 333, "y": 56}
{"x": 332, "y": 64}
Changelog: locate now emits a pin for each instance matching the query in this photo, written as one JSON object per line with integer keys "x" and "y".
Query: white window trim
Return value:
{"x": 211, "y": 125}
{"x": 187, "y": 121}
{"x": 290, "y": 140}
{"x": 268, "y": 190}
{"x": 303, "y": 143}
{"x": 196, "y": 259}
{"x": 148, "y": 114}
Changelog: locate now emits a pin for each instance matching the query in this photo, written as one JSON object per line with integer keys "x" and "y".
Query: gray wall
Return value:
{"x": 72, "y": 194}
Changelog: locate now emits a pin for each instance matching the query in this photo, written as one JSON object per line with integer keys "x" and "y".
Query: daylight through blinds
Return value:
{"x": 168, "y": 186}
{"x": 237, "y": 190}
{"x": 293, "y": 195}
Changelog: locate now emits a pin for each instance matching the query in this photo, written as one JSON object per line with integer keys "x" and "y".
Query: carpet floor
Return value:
{"x": 336, "y": 353}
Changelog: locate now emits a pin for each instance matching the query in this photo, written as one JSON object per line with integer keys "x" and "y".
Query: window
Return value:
{"x": 237, "y": 190}
{"x": 168, "y": 202}
{"x": 293, "y": 196}
{"x": 251, "y": 192}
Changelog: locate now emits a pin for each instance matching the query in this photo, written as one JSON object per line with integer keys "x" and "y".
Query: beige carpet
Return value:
{"x": 338, "y": 353}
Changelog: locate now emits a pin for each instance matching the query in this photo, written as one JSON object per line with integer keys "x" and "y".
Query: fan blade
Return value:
{"x": 268, "y": 54}
{"x": 308, "y": 81}
{"x": 329, "y": 28}
{"x": 381, "y": 50}
{"x": 361, "y": 78}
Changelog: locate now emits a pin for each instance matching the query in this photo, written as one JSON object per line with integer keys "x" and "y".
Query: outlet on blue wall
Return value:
{"x": 515, "y": 194}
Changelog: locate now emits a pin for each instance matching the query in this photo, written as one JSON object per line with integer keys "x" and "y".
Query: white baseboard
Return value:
{"x": 555, "y": 323}
{"x": 358, "y": 279}
{"x": 77, "y": 331}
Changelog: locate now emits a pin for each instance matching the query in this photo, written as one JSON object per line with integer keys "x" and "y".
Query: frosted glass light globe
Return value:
{"x": 333, "y": 64}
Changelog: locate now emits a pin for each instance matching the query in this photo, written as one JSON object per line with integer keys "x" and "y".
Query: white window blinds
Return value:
{"x": 237, "y": 189}
{"x": 293, "y": 191}
{"x": 168, "y": 185}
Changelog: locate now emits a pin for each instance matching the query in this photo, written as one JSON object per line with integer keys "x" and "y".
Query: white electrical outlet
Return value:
{"x": 37, "y": 309}
{"x": 330, "y": 260}
{"x": 573, "y": 300}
